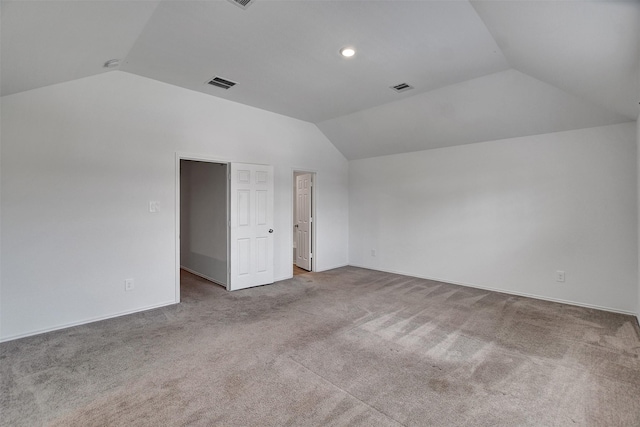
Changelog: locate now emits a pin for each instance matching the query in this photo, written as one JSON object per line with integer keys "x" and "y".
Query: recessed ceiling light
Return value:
{"x": 347, "y": 52}
{"x": 111, "y": 63}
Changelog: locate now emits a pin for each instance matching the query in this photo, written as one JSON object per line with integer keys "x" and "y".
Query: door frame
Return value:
{"x": 314, "y": 204}
{"x": 198, "y": 158}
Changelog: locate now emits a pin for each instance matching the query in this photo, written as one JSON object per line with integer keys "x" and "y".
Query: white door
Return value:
{"x": 251, "y": 222}
{"x": 303, "y": 221}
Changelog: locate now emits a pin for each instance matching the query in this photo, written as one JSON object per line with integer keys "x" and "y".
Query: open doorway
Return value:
{"x": 203, "y": 200}
{"x": 303, "y": 222}
{"x": 224, "y": 222}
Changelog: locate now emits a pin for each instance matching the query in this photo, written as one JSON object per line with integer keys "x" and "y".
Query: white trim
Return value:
{"x": 85, "y": 321}
{"x": 337, "y": 266}
{"x": 316, "y": 271}
{"x": 195, "y": 273}
{"x": 200, "y": 158}
{"x": 314, "y": 220}
{"x": 503, "y": 291}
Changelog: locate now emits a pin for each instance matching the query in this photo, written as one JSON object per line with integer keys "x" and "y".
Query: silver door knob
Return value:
{"x": 271, "y": 230}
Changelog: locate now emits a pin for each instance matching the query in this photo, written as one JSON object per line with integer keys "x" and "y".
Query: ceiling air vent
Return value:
{"x": 242, "y": 3}
{"x": 220, "y": 82}
{"x": 402, "y": 87}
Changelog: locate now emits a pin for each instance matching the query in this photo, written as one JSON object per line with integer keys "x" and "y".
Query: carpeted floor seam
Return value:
{"x": 345, "y": 391}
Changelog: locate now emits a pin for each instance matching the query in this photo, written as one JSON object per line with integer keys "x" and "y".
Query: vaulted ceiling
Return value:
{"x": 480, "y": 70}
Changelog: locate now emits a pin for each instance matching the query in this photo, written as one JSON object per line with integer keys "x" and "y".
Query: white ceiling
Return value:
{"x": 482, "y": 70}
{"x": 502, "y": 105}
{"x": 49, "y": 42}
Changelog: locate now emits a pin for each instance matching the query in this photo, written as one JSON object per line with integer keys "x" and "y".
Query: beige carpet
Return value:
{"x": 297, "y": 270}
{"x": 349, "y": 347}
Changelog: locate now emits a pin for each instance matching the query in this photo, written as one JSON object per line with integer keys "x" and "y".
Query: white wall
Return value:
{"x": 203, "y": 219}
{"x": 638, "y": 148}
{"x": 507, "y": 214}
{"x": 80, "y": 163}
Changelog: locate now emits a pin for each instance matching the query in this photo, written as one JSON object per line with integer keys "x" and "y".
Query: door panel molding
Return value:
{"x": 251, "y": 235}
{"x": 303, "y": 220}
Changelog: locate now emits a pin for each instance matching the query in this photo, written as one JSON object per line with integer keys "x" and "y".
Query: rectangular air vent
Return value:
{"x": 402, "y": 87}
{"x": 220, "y": 82}
{"x": 242, "y": 3}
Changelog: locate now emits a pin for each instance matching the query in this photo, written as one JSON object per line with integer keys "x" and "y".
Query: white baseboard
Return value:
{"x": 333, "y": 268}
{"x": 84, "y": 322}
{"x": 291, "y": 276}
{"x": 505, "y": 291}
{"x": 195, "y": 273}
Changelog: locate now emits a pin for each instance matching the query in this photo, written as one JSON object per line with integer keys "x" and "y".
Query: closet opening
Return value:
{"x": 203, "y": 234}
